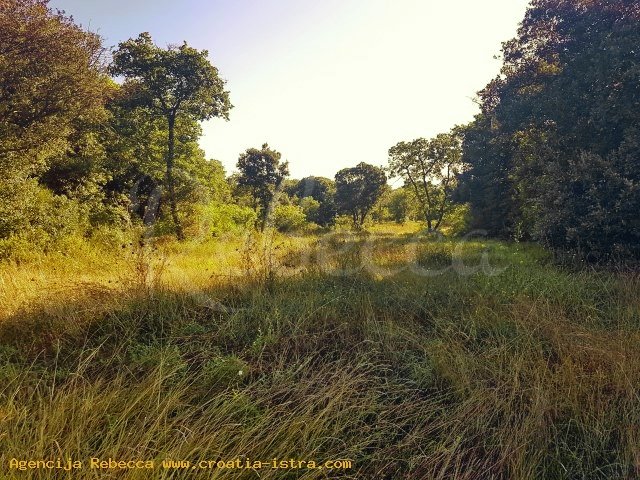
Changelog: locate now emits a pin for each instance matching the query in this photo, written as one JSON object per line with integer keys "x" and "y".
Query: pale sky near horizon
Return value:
{"x": 328, "y": 83}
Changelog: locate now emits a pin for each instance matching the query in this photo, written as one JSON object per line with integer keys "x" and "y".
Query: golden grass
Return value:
{"x": 381, "y": 347}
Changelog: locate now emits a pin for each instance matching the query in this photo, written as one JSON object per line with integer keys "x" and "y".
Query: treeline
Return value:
{"x": 553, "y": 157}
{"x": 85, "y": 155}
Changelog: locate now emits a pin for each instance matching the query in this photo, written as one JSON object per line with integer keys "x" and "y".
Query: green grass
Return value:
{"x": 399, "y": 352}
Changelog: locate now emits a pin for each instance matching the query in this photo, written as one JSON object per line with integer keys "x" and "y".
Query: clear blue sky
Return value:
{"x": 329, "y": 83}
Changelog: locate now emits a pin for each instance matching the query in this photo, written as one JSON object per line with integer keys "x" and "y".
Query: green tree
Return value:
{"x": 564, "y": 107}
{"x": 51, "y": 75}
{"x": 358, "y": 189}
{"x": 323, "y": 191}
{"x": 399, "y": 204}
{"x": 487, "y": 183}
{"x": 136, "y": 149}
{"x": 172, "y": 82}
{"x": 261, "y": 173}
{"x": 53, "y": 81}
{"x": 430, "y": 168}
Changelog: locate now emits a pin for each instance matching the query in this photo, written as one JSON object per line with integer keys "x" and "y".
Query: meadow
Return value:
{"x": 413, "y": 356}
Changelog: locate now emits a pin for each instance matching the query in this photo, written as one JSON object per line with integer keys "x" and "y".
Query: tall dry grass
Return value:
{"x": 416, "y": 358}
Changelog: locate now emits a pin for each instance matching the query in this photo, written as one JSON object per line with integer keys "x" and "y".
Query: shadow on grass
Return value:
{"x": 409, "y": 376}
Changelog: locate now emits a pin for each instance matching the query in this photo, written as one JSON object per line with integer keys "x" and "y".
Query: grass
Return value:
{"x": 414, "y": 357}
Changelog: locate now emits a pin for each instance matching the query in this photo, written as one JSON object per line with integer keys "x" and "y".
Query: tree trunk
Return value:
{"x": 438, "y": 222}
{"x": 441, "y": 213}
{"x": 170, "y": 180}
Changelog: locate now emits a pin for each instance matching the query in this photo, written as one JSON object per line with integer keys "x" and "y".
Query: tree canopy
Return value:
{"x": 430, "y": 168}
{"x": 52, "y": 74}
{"x": 172, "y": 82}
{"x": 358, "y": 189}
{"x": 323, "y": 191}
{"x": 262, "y": 173}
{"x": 553, "y": 154}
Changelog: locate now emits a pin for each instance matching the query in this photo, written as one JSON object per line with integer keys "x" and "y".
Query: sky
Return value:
{"x": 328, "y": 83}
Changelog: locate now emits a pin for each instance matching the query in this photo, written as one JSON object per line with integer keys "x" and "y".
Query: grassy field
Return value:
{"x": 413, "y": 357}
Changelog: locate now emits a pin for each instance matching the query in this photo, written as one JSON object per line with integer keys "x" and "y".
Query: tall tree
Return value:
{"x": 358, "y": 189}
{"x": 430, "y": 168}
{"x": 566, "y": 105}
{"x": 487, "y": 183}
{"x": 53, "y": 81}
{"x": 51, "y": 75}
{"x": 262, "y": 173}
{"x": 172, "y": 82}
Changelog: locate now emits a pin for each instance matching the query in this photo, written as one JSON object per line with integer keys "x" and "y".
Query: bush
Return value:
{"x": 220, "y": 218}
{"x": 311, "y": 209}
{"x": 399, "y": 205}
{"x": 32, "y": 219}
{"x": 287, "y": 218}
{"x": 590, "y": 208}
{"x": 456, "y": 221}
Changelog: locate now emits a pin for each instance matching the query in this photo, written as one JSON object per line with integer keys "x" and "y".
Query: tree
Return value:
{"x": 430, "y": 168}
{"x": 262, "y": 174}
{"x": 323, "y": 191}
{"x": 399, "y": 204}
{"x": 135, "y": 163}
{"x": 487, "y": 183}
{"x": 560, "y": 119}
{"x": 358, "y": 189}
{"x": 173, "y": 82}
{"x": 52, "y": 82}
{"x": 51, "y": 74}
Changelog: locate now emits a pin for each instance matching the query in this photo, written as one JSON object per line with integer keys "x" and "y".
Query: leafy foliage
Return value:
{"x": 430, "y": 168}
{"x": 51, "y": 75}
{"x": 287, "y": 218}
{"x": 52, "y": 82}
{"x": 323, "y": 191}
{"x": 261, "y": 174}
{"x": 173, "y": 82}
{"x": 400, "y": 204}
{"x": 358, "y": 189}
{"x": 223, "y": 218}
{"x": 552, "y": 153}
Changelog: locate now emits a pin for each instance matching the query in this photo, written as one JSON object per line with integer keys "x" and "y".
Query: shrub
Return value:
{"x": 457, "y": 220}
{"x": 220, "y": 218}
{"x": 591, "y": 206}
{"x": 399, "y": 205}
{"x": 311, "y": 209}
{"x": 32, "y": 219}
{"x": 287, "y": 218}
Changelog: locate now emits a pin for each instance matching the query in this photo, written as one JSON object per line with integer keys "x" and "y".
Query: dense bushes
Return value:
{"x": 287, "y": 218}
{"x": 593, "y": 209}
{"x": 554, "y": 154}
{"x": 33, "y": 218}
{"x": 221, "y": 218}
